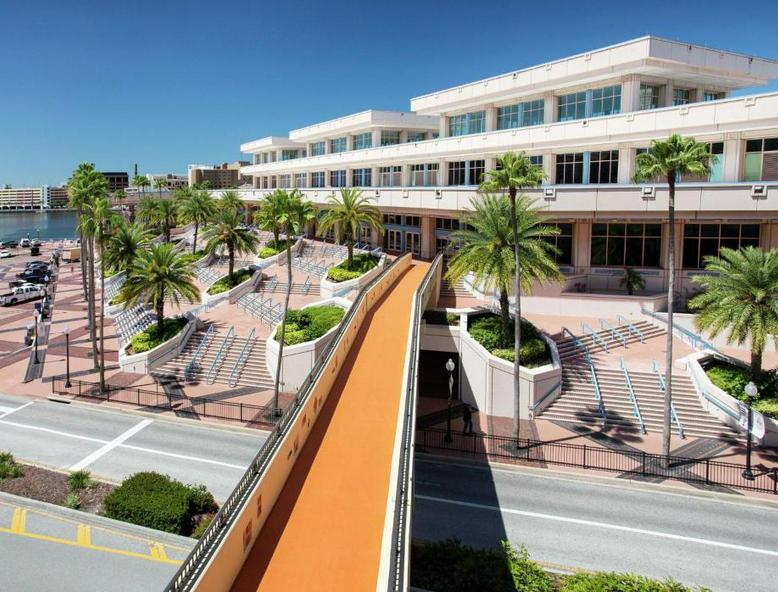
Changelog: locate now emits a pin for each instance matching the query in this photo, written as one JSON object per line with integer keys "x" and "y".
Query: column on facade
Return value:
{"x": 442, "y": 173}
{"x": 699, "y": 93}
{"x": 405, "y": 175}
{"x": 376, "y": 138}
{"x": 427, "y": 237}
{"x": 403, "y": 136}
{"x": 582, "y": 244}
{"x": 349, "y": 142}
{"x": 549, "y": 108}
{"x": 490, "y": 164}
{"x": 375, "y": 181}
{"x": 349, "y": 177}
{"x": 443, "y": 129}
{"x": 549, "y": 168}
{"x": 255, "y": 182}
{"x": 626, "y": 164}
{"x": 669, "y": 92}
{"x": 734, "y": 155}
{"x": 491, "y": 118}
{"x": 630, "y": 94}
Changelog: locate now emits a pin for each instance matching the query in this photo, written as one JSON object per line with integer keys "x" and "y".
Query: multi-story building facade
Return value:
{"x": 33, "y": 198}
{"x": 173, "y": 180}
{"x": 219, "y": 176}
{"x": 583, "y": 119}
{"x": 116, "y": 180}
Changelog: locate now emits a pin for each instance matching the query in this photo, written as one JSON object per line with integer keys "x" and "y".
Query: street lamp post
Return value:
{"x": 450, "y": 367}
{"x": 36, "y": 316}
{"x": 751, "y": 392}
{"x": 66, "y": 332}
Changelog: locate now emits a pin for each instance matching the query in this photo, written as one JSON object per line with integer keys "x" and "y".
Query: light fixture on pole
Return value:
{"x": 751, "y": 392}
{"x": 450, "y": 368}
{"x": 66, "y": 332}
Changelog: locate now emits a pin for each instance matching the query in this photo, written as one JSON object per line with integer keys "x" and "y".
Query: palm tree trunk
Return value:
{"x": 91, "y": 303}
{"x": 517, "y": 319}
{"x": 350, "y": 245}
{"x": 277, "y": 384}
{"x": 160, "y": 310}
{"x": 231, "y": 251}
{"x": 102, "y": 321}
{"x": 756, "y": 364}
{"x": 194, "y": 242}
{"x": 666, "y": 424}
{"x": 505, "y": 315}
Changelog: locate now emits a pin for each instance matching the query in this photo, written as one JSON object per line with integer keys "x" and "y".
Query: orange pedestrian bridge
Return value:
{"x": 326, "y": 503}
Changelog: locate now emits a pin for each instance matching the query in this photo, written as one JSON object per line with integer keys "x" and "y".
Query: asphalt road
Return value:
{"x": 726, "y": 544}
{"x": 113, "y": 445}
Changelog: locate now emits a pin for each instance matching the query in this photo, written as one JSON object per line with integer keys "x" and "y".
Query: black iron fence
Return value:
{"x": 255, "y": 415}
{"x": 629, "y": 463}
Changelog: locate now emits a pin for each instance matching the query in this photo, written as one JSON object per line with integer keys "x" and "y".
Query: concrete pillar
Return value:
{"x": 626, "y": 164}
{"x": 427, "y": 237}
{"x": 549, "y": 168}
{"x": 349, "y": 142}
{"x": 582, "y": 243}
{"x": 376, "y": 138}
{"x": 669, "y": 93}
{"x": 442, "y": 173}
{"x": 374, "y": 176}
{"x": 349, "y": 176}
{"x": 490, "y": 164}
{"x": 375, "y": 238}
{"x": 630, "y": 94}
{"x": 443, "y": 126}
{"x": 491, "y": 118}
{"x": 734, "y": 158}
{"x": 405, "y": 175}
{"x": 403, "y": 136}
{"x": 549, "y": 108}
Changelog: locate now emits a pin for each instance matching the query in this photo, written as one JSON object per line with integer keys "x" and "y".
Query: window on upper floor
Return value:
{"x": 681, "y": 96}
{"x": 701, "y": 240}
{"x": 284, "y": 181}
{"x": 362, "y": 141}
{"x": 520, "y": 115}
{"x": 390, "y": 137}
{"x": 318, "y": 148}
{"x": 712, "y": 95}
{"x": 396, "y": 219}
{"x": 572, "y": 106}
{"x": 649, "y": 96}
{"x": 338, "y": 145}
{"x": 362, "y": 177}
{"x": 317, "y": 179}
{"x": 563, "y": 243}
{"x": 604, "y": 166}
{"x": 761, "y": 163}
{"x": 424, "y": 175}
{"x": 467, "y": 123}
{"x": 569, "y": 168}
{"x": 606, "y": 101}
{"x": 289, "y": 154}
{"x": 446, "y": 224}
{"x": 466, "y": 172}
{"x": 390, "y": 176}
{"x": 715, "y": 175}
{"x": 416, "y": 136}
{"x": 338, "y": 178}
{"x": 300, "y": 180}
{"x": 631, "y": 245}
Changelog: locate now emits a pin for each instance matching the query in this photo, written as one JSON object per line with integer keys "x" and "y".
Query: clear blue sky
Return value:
{"x": 166, "y": 83}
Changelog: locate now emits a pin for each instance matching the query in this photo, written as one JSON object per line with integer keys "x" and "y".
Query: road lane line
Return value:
{"x": 6, "y": 411}
{"x": 84, "y": 535}
{"x": 106, "y": 448}
{"x": 184, "y": 457}
{"x": 19, "y": 521}
{"x": 605, "y": 525}
{"x": 50, "y": 431}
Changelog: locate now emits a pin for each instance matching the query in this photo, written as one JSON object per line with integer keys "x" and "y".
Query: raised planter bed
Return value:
{"x": 279, "y": 258}
{"x": 144, "y": 362}
{"x": 330, "y": 289}
{"x": 233, "y": 293}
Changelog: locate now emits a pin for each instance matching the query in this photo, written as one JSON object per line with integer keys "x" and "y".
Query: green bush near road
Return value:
{"x": 618, "y": 582}
{"x": 362, "y": 263}
{"x": 159, "y": 502}
{"x": 273, "y": 248}
{"x": 9, "y": 468}
{"x": 733, "y": 380}
{"x": 149, "y": 338}
{"x": 79, "y": 480}
{"x": 224, "y": 284}
{"x": 310, "y": 323}
{"x": 487, "y": 330}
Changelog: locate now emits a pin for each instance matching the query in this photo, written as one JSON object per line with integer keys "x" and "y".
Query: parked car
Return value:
{"x": 5, "y": 254}
{"x": 9, "y": 244}
{"x": 24, "y": 243}
{"x": 34, "y": 276}
{"x": 21, "y": 294}
{"x": 36, "y": 243}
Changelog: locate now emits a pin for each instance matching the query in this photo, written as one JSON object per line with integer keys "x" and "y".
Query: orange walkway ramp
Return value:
{"x": 325, "y": 531}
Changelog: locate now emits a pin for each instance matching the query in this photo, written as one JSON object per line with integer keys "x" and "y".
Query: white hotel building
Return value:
{"x": 582, "y": 118}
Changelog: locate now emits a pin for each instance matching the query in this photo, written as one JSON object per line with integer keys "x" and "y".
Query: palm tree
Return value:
{"x": 146, "y": 212}
{"x": 514, "y": 172}
{"x": 79, "y": 188}
{"x": 226, "y": 232}
{"x": 140, "y": 182}
{"x": 159, "y": 275}
{"x": 196, "y": 207}
{"x": 347, "y": 214}
{"x": 670, "y": 159}
{"x": 165, "y": 216}
{"x": 160, "y": 184}
{"x": 120, "y": 195}
{"x": 741, "y": 298}
{"x": 293, "y": 215}
{"x": 270, "y": 212}
{"x": 230, "y": 200}
{"x": 126, "y": 241}
{"x": 487, "y": 250}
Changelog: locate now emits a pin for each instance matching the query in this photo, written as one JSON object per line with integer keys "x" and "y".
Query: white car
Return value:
{"x": 5, "y": 254}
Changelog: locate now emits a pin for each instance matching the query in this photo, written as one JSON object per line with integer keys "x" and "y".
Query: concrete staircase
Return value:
{"x": 567, "y": 349}
{"x": 301, "y": 289}
{"x": 251, "y": 372}
{"x": 449, "y": 290}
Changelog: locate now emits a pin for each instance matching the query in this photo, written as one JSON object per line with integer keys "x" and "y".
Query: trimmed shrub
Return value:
{"x": 191, "y": 258}
{"x": 149, "y": 338}
{"x": 273, "y": 248}
{"x": 309, "y": 323}
{"x": 617, "y": 582}
{"x": 72, "y": 501}
{"x": 487, "y": 330}
{"x": 79, "y": 480}
{"x": 9, "y": 468}
{"x": 526, "y": 574}
{"x": 157, "y": 501}
{"x": 733, "y": 380}
{"x": 362, "y": 263}
{"x": 228, "y": 282}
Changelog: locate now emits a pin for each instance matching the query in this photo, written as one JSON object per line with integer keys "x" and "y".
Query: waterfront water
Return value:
{"x": 54, "y": 224}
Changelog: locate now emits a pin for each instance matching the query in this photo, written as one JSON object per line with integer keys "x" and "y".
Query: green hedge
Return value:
{"x": 149, "y": 338}
{"x": 9, "y": 468}
{"x": 618, "y": 582}
{"x": 228, "y": 282}
{"x": 487, "y": 330}
{"x": 159, "y": 502}
{"x": 191, "y": 258}
{"x": 440, "y": 317}
{"x": 362, "y": 263}
{"x": 273, "y": 248}
{"x": 733, "y": 380}
{"x": 310, "y": 323}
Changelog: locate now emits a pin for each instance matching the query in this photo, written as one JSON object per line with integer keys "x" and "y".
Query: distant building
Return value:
{"x": 57, "y": 198}
{"x": 33, "y": 198}
{"x": 174, "y": 181}
{"x": 220, "y": 176}
{"x": 116, "y": 181}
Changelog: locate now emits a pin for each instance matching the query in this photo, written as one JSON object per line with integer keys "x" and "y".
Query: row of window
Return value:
{"x": 363, "y": 141}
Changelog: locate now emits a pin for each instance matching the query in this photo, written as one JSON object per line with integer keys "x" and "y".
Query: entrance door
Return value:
{"x": 413, "y": 242}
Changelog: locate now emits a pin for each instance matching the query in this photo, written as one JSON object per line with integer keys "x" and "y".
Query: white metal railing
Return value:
{"x": 663, "y": 387}
{"x": 632, "y": 397}
{"x": 232, "y": 380}
{"x": 210, "y": 377}
{"x": 201, "y": 348}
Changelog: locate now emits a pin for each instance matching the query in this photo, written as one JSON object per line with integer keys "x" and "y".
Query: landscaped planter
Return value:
{"x": 144, "y": 362}
{"x": 233, "y": 293}
{"x": 300, "y": 358}
{"x": 723, "y": 405}
{"x": 279, "y": 258}
{"x": 330, "y": 289}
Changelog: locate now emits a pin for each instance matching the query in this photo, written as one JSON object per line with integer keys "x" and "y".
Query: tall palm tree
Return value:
{"x": 159, "y": 275}
{"x": 669, "y": 159}
{"x": 348, "y": 213}
{"x": 487, "y": 250}
{"x": 146, "y": 212}
{"x": 230, "y": 200}
{"x": 165, "y": 215}
{"x": 79, "y": 188}
{"x": 196, "y": 207}
{"x": 226, "y": 232}
{"x": 293, "y": 214}
{"x": 160, "y": 184}
{"x": 514, "y": 173}
{"x": 120, "y": 195}
{"x": 740, "y": 296}
{"x": 141, "y": 182}
{"x": 270, "y": 212}
{"x": 124, "y": 244}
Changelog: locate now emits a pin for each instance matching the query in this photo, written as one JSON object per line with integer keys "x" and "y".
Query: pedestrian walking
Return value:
{"x": 467, "y": 418}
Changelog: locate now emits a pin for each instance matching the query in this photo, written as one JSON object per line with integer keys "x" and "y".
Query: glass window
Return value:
{"x": 476, "y": 170}
{"x": 564, "y": 244}
{"x": 361, "y": 177}
{"x": 700, "y": 240}
{"x": 284, "y": 181}
{"x": 338, "y": 178}
{"x": 649, "y": 96}
{"x": 572, "y": 106}
{"x": 424, "y": 175}
{"x": 300, "y": 180}
{"x": 362, "y": 141}
{"x": 711, "y": 95}
{"x": 457, "y": 173}
{"x": 520, "y": 115}
{"x": 467, "y": 123}
{"x": 389, "y": 138}
{"x": 416, "y": 136}
{"x": 606, "y": 101}
{"x": 412, "y": 221}
{"x": 761, "y": 163}
{"x": 289, "y": 154}
{"x": 569, "y": 168}
{"x": 317, "y": 179}
{"x": 393, "y": 219}
{"x": 390, "y": 176}
{"x": 317, "y": 148}
{"x": 446, "y": 224}
{"x": 682, "y": 96}
{"x": 631, "y": 245}
{"x": 604, "y": 167}
{"x": 338, "y": 144}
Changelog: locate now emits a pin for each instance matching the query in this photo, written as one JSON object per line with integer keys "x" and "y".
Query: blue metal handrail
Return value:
{"x": 694, "y": 340}
{"x": 614, "y": 332}
{"x": 577, "y": 343}
{"x": 630, "y": 327}
{"x": 233, "y": 378}
{"x": 598, "y": 395}
{"x": 595, "y": 338}
{"x": 632, "y": 397}
{"x": 209, "y": 378}
{"x": 663, "y": 388}
{"x": 199, "y": 351}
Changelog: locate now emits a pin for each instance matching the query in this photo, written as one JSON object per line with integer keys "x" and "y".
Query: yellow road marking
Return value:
{"x": 18, "y": 521}
{"x": 158, "y": 551}
{"x": 84, "y": 535}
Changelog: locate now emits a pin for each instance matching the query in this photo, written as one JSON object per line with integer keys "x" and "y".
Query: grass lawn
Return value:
{"x": 149, "y": 338}
{"x": 274, "y": 248}
{"x": 362, "y": 263}
{"x": 733, "y": 380}
{"x": 487, "y": 330}
{"x": 224, "y": 284}
{"x": 310, "y": 323}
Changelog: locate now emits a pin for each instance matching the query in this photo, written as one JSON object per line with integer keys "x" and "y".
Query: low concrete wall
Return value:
{"x": 232, "y": 294}
{"x": 723, "y": 405}
{"x": 686, "y": 320}
{"x": 329, "y": 289}
{"x": 279, "y": 258}
{"x": 222, "y": 568}
{"x": 144, "y": 362}
{"x": 299, "y": 359}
